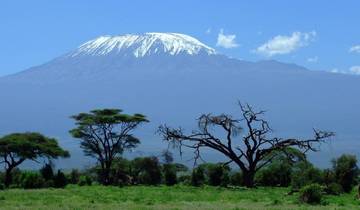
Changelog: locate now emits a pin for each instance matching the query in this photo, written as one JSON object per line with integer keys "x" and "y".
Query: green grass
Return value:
{"x": 162, "y": 197}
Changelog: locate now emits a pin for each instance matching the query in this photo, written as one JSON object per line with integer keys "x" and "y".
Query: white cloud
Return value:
{"x": 285, "y": 44}
{"x": 335, "y": 70}
{"x": 355, "y": 70}
{"x": 355, "y": 48}
{"x": 226, "y": 41}
{"x": 208, "y": 31}
{"x": 313, "y": 59}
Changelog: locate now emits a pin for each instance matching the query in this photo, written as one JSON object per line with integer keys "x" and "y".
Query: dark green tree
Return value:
{"x": 346, "y": 170}
{"x": 60, "y": 180}
{"x": 47, "y": 172}
{"x": 170, "y": 176}
{"x": 146, "y": 170}
{"x": 105, "y": 134}
{"x": 18, "y": 147}
{"x": 198, "y": 176}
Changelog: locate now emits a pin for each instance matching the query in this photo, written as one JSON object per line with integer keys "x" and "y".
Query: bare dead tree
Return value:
{"x": 252, "y": 151}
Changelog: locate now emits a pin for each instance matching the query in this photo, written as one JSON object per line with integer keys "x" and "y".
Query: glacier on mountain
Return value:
{"x": 143, "y": 45}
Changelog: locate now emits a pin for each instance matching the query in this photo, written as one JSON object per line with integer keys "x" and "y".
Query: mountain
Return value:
{"x": 173, "y": 78}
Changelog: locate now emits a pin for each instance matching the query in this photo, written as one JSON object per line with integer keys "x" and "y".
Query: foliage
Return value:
{"x": 251, "y": 151}
{"x": 17, "y": 147}
{"x": 60, "y": 180}
{"x": 31, "y": 180}
{"x": 47, "y": 172}
{"x": 74, "y": 176}
{"x": 236, "y": 178}
{"x": 121, "y": 171}
{"x": 311, "y": 194}
{"x": 84, "y": 180}
{"x": 217, "y": 174}
{"x": 105, "y": 134}
{"x": 304, "y": 174}
{"x": 334, "y": 189}
{"x": 185, "y": 179}
{"x": 280, "y": 168}
{"x": 170, "y": 177}
{"x": 346, "y": 171}
{"x": 146, "y": 170}
{"x": 197, "y": 177}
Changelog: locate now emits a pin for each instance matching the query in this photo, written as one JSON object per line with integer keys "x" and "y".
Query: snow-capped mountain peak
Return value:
{"x": 143, "y": 45}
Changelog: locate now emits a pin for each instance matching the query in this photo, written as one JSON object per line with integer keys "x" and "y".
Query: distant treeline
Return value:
{"x": 247, "y": 142}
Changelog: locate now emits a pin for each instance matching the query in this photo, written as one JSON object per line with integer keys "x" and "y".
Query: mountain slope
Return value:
{"x": 174, "y": 84}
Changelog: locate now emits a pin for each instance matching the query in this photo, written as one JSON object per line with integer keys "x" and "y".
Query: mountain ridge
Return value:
{"x": 175, "y": 89}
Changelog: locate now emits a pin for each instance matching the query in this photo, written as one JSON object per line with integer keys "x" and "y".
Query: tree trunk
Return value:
{"x": 105, "y": 173}
{"x": 248, "y": 179}
{"x": 8, "y": 177}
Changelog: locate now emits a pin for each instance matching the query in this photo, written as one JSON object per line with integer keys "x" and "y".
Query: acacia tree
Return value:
{"x": 18, "y": 147}
{"x": 105, "y": 134}
{"x": 251, "y": 151}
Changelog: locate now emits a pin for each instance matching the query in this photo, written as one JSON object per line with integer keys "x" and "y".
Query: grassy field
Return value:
{"x": 162, "y": 197}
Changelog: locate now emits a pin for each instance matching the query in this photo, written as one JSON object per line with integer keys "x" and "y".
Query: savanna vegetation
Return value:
{"x": 261, "y": 172}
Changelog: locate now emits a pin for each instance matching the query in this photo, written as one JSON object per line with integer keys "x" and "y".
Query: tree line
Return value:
{"x": 246, "y": 142}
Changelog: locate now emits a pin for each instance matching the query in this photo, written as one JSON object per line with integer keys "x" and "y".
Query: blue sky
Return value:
{"x": 316, "y": 34}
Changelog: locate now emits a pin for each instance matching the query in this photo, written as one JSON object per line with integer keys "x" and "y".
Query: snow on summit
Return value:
{"x": 144, "y": 45}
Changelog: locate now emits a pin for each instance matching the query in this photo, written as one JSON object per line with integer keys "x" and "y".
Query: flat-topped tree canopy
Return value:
{"x": 17, "y": 147}
{"x": 106, "y": 134}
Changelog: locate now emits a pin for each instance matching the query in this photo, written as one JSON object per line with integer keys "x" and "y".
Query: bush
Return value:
{"x": 218, "y": 175}
{"x": 31, "y": 180}
{"x": 311, "y": 194}
{"x": 345, "y": 170}
{"x": 120, "y": 172}
{"x": 236, "y": 179}
{"x": 185, "y": 179}
{"x": 47, "y": 172}
{"x": 60, "y": 180}
{"x": 170, "y": 174}
{"x": 276, "y": 174}
{"x": 197, "y": 177}
{"x": 305, "y": 174}
{"x": 334, "y": 189}
{"x": 85, "y": 180}
{"x": 74, "y": 176}
{"x": 146, "y": 170}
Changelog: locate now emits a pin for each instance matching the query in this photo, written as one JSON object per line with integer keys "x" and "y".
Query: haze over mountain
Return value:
{"x": 173, "y": 78}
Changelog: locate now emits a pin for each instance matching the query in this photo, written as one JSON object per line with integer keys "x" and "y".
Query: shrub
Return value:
{"x": 345, "y": 170}
{"x": 48, "y": 183}
{"x": 311, "y": 194}
{"x": 185, "y": 179}
{"x": 334, "y": 189}
{"x": 60, "y": 180}
{"x": 31, "y": 180}
{"x": 276, "y": 174}
{"x": 236, "y": 179}
{"x": 328, "y": 177}
{"x": 305, "y": 174}
{"x": 84, "y": 180}
{"x": 74, "y": 176}
{"x": 120, "y": 172}
{"x": 197, "y": 177}
{"x": 218, "y": 175}
{"x": 146, "y": 170}
{"x": 47, "y": 172}
{"x": 170, "y": 174}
